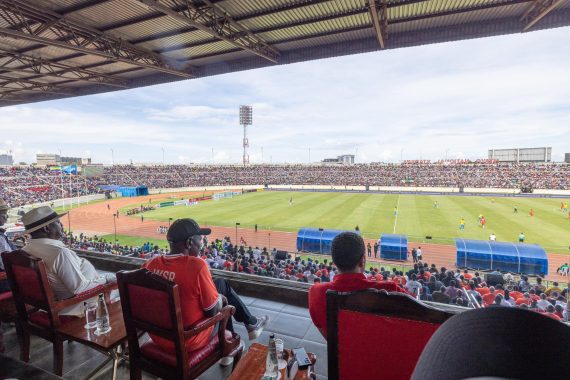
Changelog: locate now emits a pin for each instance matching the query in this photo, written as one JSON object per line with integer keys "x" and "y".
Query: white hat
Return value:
{"x": 39, "y": 217}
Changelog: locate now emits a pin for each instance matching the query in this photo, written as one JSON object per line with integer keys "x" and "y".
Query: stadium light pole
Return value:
{"x": 245, "y": 119}
{"x": 237, "y": 224}
{"x": 163, "y": 162}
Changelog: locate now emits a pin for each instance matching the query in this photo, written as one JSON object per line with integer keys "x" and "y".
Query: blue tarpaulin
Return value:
{"x": 522, "y": 258}
{"x": 393, "y": 247}
{"x": 315, "y": 240}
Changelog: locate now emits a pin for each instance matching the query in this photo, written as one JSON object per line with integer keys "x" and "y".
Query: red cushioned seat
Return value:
{"x": 5, "y": 296}
{"x": 153, "y": 351}
{"x": 41, "y": 318}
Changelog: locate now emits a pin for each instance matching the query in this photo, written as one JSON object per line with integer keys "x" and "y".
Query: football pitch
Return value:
{"x": 417, "y": 215}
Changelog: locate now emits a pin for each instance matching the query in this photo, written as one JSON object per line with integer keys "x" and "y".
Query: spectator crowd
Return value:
{"x": 28, "y": 185}
{"x": 424, "y": 281}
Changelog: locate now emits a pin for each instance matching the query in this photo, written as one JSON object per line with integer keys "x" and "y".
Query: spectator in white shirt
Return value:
{"x": 543, "y": 303}
{"x": 68, "y": 274}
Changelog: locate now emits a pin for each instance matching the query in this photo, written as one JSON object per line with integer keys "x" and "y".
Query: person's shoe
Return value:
{"x": 253, "y": 331}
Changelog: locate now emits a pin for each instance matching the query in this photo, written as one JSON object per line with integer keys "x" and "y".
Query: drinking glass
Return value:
{"x": 281, "y": 362}
{"x": 90, "y": 315}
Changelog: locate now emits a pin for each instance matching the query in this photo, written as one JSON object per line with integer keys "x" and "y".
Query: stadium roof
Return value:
{"x": 52, "y": 49}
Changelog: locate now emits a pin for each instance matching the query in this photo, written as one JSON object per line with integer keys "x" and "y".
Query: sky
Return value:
{"x": 450, "y": 100}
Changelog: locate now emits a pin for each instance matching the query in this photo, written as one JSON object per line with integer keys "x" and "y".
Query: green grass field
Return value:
{"x": 374, "y": 214}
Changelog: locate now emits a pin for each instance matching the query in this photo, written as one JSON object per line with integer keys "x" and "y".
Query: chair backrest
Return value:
{"x": 152, "y": 304}
{"x": 376, "y": 334}
{"x": 30, "y": 286}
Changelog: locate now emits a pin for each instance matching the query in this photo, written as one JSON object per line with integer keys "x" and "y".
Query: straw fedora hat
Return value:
{"x": 3, "y": 205}
{"x": 39, "y": 217}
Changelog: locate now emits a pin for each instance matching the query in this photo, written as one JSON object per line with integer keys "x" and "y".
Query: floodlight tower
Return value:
{"x": 245, "y": 119}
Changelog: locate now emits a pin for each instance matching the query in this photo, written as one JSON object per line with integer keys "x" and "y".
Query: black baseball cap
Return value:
{"x": 182, "y": 229}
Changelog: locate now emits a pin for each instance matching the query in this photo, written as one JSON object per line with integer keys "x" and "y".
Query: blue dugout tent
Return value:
{"x": 393, "y": 247}
{"x": 522, "y": 258}
{"x": 127, "y": 191}
{"x": 315, "y": 240}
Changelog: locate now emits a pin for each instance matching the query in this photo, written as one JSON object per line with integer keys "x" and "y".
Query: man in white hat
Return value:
{"x": 68, "y": 274}
{"x": 5, "y": 244}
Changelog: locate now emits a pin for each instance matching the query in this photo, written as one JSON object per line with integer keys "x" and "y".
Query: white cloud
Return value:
{"x": 457, "y": 99}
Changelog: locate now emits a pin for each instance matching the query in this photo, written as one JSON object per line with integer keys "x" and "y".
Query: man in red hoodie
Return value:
{"x": 348, "y": 254}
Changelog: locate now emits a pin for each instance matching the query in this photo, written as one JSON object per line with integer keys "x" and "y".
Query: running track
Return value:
{"x": 97, "y": 219}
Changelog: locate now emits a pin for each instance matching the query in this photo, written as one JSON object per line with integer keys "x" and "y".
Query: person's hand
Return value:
{"x": 224, "y": 301}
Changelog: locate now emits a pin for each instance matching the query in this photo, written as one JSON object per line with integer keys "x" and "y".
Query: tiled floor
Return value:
{"x": 290, "y": 323}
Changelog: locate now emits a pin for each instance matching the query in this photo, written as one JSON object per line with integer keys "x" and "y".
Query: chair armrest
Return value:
{"x": 83, "y": 296}
{"x": 203, "y": 324}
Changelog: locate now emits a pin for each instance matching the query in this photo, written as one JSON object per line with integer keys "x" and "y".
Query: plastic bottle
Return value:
{"x": 103, "y": 325}
{"x": 271, "y": 367}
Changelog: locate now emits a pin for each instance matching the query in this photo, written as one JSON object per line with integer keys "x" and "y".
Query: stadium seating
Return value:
{"x": 142, "y": 293}
{"x": 36, "y": 304}
{"x": 362, "y": 327}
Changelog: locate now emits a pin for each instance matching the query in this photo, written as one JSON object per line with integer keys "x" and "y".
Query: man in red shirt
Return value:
{"x": 348, "y": 255}
{"x": 200, "y": 296}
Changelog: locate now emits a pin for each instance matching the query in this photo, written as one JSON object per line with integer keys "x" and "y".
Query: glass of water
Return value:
{"x": 90, "y": 314}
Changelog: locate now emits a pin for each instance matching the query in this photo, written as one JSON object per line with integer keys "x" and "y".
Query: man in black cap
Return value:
{"x": 200, "y": 296}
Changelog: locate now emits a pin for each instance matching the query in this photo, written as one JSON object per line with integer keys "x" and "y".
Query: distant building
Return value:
{"x": 521, "y": 154}
{"x": 567, "y": 158}
{"x": 71, "y": 160}
{"x": 6, "y": 159}
{"x": 345, "y": 159}
{"x": 43, "y": 159}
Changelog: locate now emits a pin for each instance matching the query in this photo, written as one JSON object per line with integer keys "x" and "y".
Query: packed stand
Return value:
{"x": 27, "y": 185}
{"x": 416, "y": 173}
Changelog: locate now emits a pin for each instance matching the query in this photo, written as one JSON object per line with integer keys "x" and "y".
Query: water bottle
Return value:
{"x": 271, "y": 364}
{"x": 103, "y": 325}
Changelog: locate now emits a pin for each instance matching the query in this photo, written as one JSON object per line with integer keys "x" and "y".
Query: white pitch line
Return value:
{"x": 397, "y": 213}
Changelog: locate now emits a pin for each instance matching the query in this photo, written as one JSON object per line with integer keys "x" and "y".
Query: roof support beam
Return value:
{"x": 538, "y": 11}
{"x": 78, "y": 37}
{"x": 28, "y": 85}
{"x": 347, "y": 14}
{"x": 41, "y": 67}
{"x": 379, "y": 15}
{"x": 213, "y": 21}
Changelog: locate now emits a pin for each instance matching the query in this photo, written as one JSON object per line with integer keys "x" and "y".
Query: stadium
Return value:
{"x": 419, "y": 248}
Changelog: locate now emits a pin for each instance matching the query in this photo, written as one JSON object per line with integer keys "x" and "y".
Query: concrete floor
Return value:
{"x": 290, "y": 323}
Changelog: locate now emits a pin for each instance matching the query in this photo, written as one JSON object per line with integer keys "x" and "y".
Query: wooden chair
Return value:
{"x": 375, "y": 334}
{"x": 37, "y": 308}
{"x": 7, "y": 306}
{"x": 152, "y": 304}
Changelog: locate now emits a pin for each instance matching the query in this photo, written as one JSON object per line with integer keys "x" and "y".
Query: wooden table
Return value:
{"x": 252, "y": 365}
{"x": 108, "y": 344}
